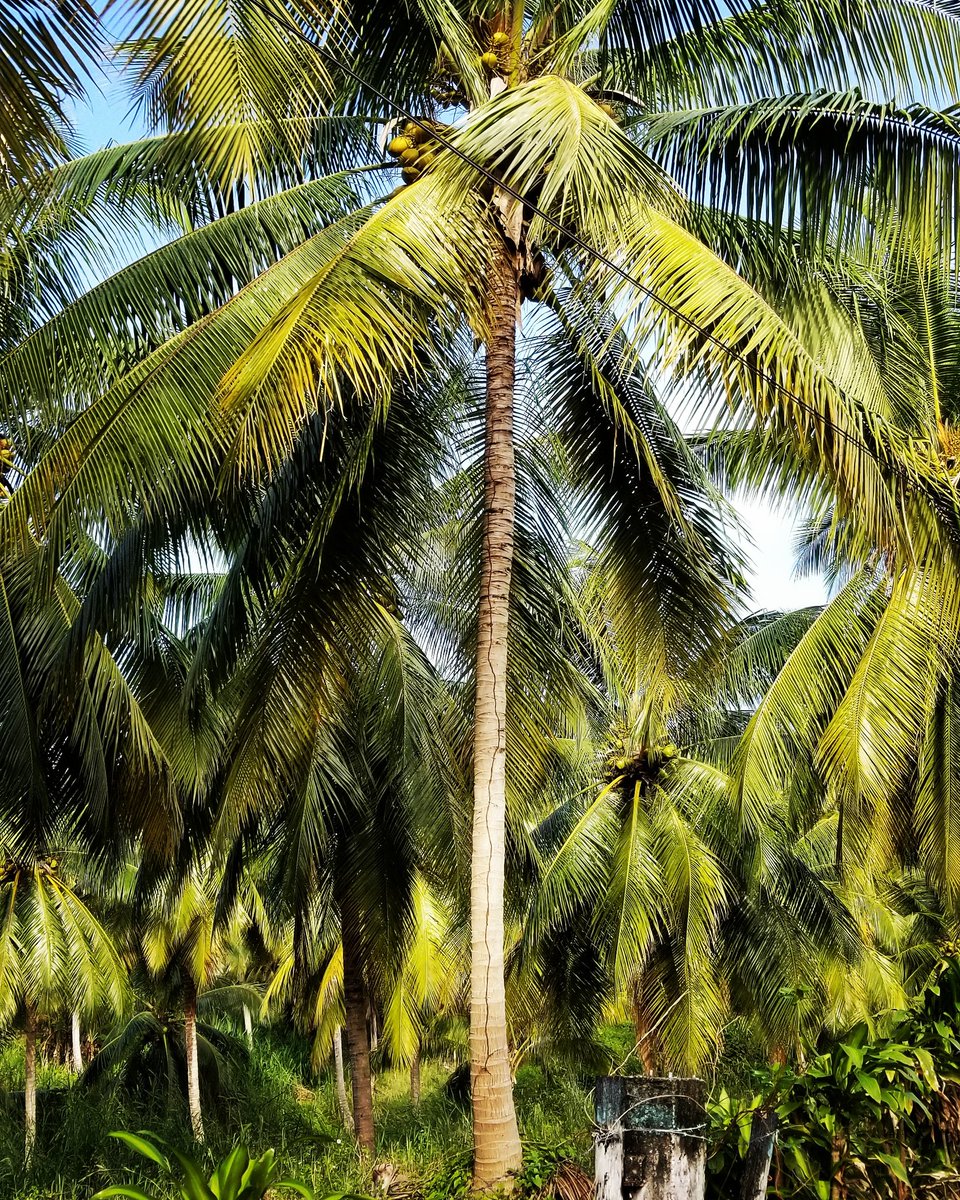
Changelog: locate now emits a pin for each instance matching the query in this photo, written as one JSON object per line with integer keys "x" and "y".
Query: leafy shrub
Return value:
{"x": 870, "y": 1115}
{"x": 452, "y": 1180}
{"x": 238, "y": 1176}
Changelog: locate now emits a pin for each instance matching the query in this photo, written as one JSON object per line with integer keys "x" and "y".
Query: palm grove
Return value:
{"x": 359, "y": 585}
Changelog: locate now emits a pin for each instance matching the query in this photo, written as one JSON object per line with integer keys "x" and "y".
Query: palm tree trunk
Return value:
{"x": 343, "y": 1103}
{"x": 358, "y": 1038}
{"x": 248, "y": 1025}
{"x": 496, "y": 1142}
{"x": 415, "y": 1080}
{"x": 193, "y": 1062}
{"x": 76, "y": 1048}
{"x": 837, "y": 1189}
{"x": 646, "y": 1035}
{"x": 30, "y": 1084}
{"x": 756, "y": 1166}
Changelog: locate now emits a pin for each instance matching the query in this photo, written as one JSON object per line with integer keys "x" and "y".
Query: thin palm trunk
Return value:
{"x": 646, "y": 1034}
{"x": 30, "y": 1083}
{"x": 248, "y": 1025}
{"x": 759, "y": 1157}
{"x": 838, "y": 1189}
{"x": 358, "y": 1038}
{"x": 496, "y": 1141}
{"x": 193, "y": 1062}
{"x": 76, "y": 1048}
{"x": 343, "y": 1104}
{"x": 415, "y": 1080}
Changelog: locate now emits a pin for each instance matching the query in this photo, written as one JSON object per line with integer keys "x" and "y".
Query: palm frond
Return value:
{"x": 48, "y": 53}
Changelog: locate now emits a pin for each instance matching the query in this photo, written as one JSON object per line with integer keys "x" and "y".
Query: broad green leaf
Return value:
{"x": 869, "y": 1085}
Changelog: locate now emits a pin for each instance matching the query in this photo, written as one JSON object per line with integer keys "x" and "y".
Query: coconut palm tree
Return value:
{"x": 83, "y": 777}
{"x": 323, "y": 312}
{"x": 643, "y": 863}
{"x": 55, "y": 954}
{"x": 147, "y": 1054}
{"x": 862, "y": 708}
{"x": 183, "y": 926}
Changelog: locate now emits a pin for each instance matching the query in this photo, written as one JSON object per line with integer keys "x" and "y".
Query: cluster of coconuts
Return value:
{"x": 641, "y": 764}
{"x": 6, "y": 461}
{"x": 494, "y": 57}
{"x": 414, "y": 149}
{"x": 949, "y": 437}
{"x": 448, "y": 94}
{"x": 10, "y": 869}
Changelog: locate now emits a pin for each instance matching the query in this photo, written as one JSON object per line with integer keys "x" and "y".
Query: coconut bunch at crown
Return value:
{"x": 414, "y": 148}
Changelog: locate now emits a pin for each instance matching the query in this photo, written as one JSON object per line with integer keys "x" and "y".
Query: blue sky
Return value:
{"x": 770, "y": 533}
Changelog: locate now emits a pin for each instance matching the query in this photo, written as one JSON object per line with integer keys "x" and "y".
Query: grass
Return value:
{"x": 272, "y": 1101}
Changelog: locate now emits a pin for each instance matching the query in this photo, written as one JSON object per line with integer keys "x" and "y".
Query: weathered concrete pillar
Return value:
{"x": 609, "y": 1105}
{"x": 661, "y": 1143}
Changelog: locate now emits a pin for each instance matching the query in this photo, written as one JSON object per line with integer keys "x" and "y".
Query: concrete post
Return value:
{"x": 609, "y": 1104}
{"x": 658, "y": 1129}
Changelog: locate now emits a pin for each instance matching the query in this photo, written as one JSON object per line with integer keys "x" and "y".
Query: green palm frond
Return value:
{"x": 157, "y": 297}
{"x": 55, "y": 953}
{"x": 706, "y": 50}
{"x": 429, "y": 978}
{"x": 820, "y": 668}
{"x": 821, "y": 163}
{"x": 49, "y": 52}
{"x": 937, "y": 800}
{"x": 663, "y": 562}
{"x": 757, "y": 650}
{"x": 416, "y": 48}
{"x": 234, "y": 76}
{"x": 872, "y": 739}
{"x": 547, "y": 138}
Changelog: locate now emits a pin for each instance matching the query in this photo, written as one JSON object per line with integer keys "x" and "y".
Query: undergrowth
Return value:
{"x": 271, "y": 1101}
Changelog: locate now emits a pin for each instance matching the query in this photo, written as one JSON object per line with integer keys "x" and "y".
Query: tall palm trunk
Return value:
{"x": 343, "y": 1103}
{"x": 30, "y": 1083}
{"x": 358, "y": 1039}
{"x": 76, "y": 1049}
{"x": 496, "y": 1142}
{"x": 193, "y": 1062}
{"x": 415, "y": 1080}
